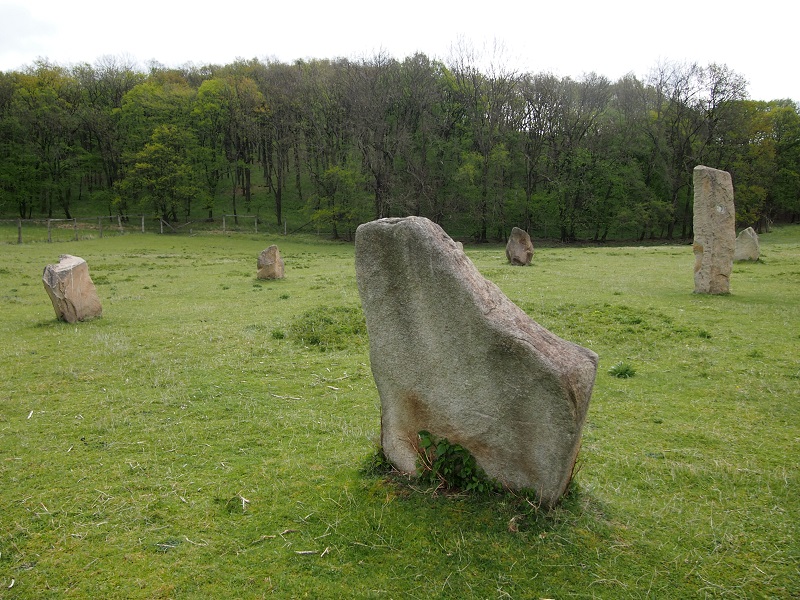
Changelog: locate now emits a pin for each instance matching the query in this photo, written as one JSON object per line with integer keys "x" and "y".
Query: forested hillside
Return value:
{"x": 340, "y": 142}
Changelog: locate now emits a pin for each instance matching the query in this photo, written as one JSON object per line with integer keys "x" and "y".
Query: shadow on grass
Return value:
{"x": 51, "y": 324}
{"x": 56, "y": 324}
{"x": 514, "y": 511}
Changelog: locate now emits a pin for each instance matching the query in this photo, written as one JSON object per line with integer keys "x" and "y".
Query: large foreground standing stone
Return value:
{"x": 747, "y": 245}
{"x": 71, "y": 289}
{"x": 714, "y": 230}
{"x": 519, "y": 249}
{"x": 453, "y": 356}
{"x": 270, "y": 264}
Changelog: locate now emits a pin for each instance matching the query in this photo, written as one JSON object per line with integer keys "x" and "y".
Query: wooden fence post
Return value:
{"x": 49, "y": 236}
{"x": 19, "y": 231}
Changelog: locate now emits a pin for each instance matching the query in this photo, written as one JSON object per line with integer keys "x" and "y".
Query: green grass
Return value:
{"x": 213, "y": 435}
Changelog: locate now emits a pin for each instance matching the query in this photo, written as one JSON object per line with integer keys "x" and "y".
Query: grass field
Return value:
{"x": 208, "y": 436}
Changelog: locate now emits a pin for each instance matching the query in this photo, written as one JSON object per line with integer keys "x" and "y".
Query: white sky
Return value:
{"x": 611, "y": 37}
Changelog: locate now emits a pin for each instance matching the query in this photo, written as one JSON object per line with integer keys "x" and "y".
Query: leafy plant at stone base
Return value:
{"x": 450, "y": 466}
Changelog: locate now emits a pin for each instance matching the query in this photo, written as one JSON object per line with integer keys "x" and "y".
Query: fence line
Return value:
{"x": 74, "y": 229}
{"x": 44, "y": 228}
{"x": 237, "y": 217}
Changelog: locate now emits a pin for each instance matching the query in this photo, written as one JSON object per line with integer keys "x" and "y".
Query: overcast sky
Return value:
{"x": 611, "y": 37}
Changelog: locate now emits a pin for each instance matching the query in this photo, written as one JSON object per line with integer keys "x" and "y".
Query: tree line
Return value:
{"x": 340, "y": 142}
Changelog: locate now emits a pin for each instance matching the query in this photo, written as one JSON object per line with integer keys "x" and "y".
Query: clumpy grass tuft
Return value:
{"x": 622, "y": 370}
{"x": 330, "y": 328}
{"x": 376, "y": 464}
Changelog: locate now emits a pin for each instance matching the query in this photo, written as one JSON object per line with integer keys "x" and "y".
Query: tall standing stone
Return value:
{"x": 270, "y": 264}
{"x": 519, "y": 249}
{"x": 452, "y": 355}
{"x": 714, "y": 230}
{"x": 71, "y": 289}
{"x": 747, "y": 245}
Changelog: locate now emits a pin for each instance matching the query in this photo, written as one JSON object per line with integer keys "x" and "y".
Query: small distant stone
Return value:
{"x": 270, "y": 264}
{"x": 71, "y": 289}
{"x": 747, "y": 245}
{"x": 519, "y": 249}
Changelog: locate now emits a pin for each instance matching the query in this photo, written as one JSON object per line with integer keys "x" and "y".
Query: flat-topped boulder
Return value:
{"x": 747, "y": 245}
{"x": 453, "y": 356}
{"x": 71, "y": 289}
{"x": 270, "y": 264}
{"x": 519, "y": 249}
{"x": 714, "y": 230}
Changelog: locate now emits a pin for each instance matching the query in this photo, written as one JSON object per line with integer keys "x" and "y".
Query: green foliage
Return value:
{"x": 163, "y": 177}
{"x": 330, "y": 144}
{"x": 339, "y": 203}
{"x": 451, "y": 466}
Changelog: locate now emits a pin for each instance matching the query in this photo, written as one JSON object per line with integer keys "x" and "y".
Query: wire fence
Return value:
{"x": 23, "y": 231}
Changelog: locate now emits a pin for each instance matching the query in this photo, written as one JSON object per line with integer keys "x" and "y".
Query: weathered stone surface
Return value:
{"x": 519, "y": 249}
{"x": 747, "y": 245}
{"x": 71, "y": 289}
{"x": 270, "y": 264}
{"x": 714, "y": 230}
{"x": 452, "y": 355}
